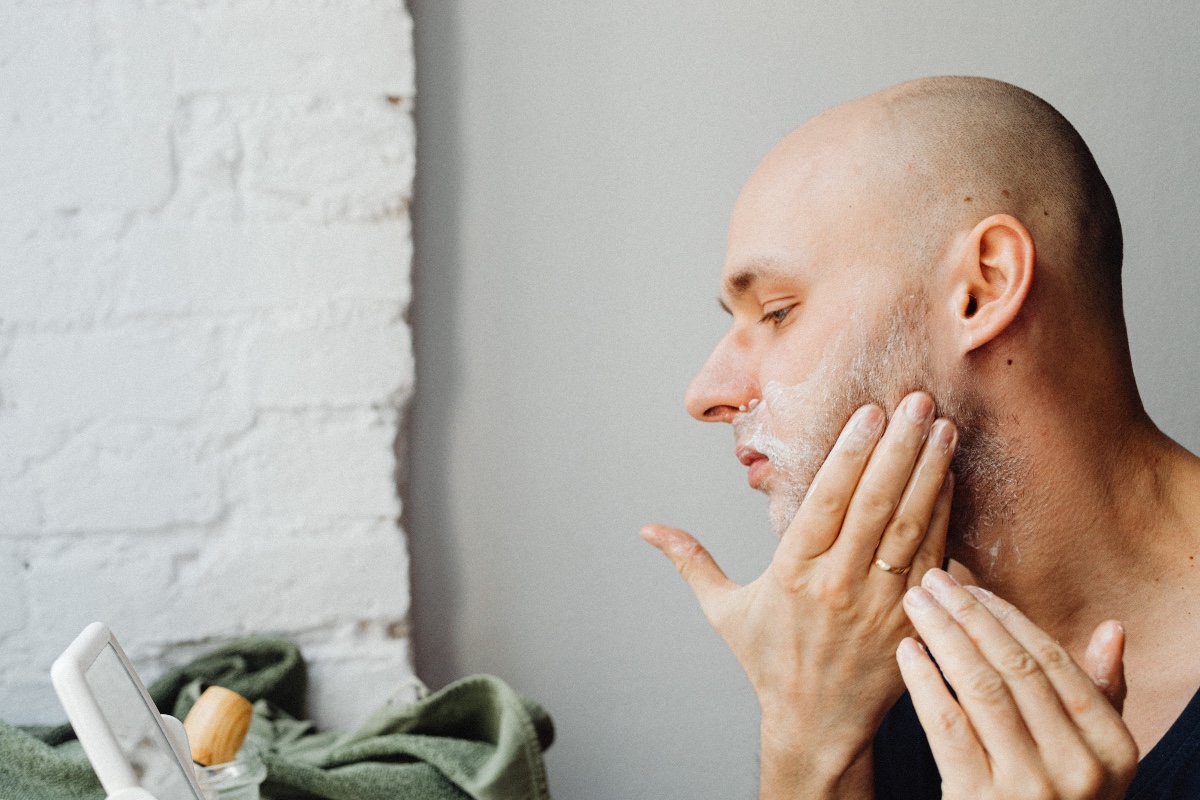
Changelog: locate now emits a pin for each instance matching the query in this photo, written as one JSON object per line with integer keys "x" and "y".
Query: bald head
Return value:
{"x": 981, "y": 146}
{"x": 923, "y": 160}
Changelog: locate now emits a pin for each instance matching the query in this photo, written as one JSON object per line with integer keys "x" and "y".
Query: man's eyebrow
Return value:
{"x": 744, "y": 279}
{"x": 740, "y": 282}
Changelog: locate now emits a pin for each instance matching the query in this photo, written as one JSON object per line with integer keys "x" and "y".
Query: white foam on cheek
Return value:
{"x": 780, "y": 413}
{"x": 764, "y": 428}
{"x": 784, "y": 411}
{"x": 793, "y": 409}
{"x": 787, "y": 425}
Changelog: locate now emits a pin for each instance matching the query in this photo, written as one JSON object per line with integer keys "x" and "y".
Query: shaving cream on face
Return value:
{"x": 782, "y": 411}
{"x": 795, "y": 426}
{"x": 876, "y": 361}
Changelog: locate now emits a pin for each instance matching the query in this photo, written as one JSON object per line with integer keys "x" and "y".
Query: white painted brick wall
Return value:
{"x": 204, "y": 269}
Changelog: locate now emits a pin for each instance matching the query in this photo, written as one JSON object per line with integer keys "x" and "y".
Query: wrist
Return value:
{"x": 798, "y": 765}
{"x": 826, "y": 749}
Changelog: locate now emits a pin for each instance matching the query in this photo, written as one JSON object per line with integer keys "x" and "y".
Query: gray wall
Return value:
{"x": 576, "y": 167}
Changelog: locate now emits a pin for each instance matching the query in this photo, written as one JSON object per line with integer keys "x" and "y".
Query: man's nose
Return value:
{"x": 723, "y": 386}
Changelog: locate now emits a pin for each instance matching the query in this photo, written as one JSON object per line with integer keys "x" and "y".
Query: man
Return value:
{"x": 948, "y": 250}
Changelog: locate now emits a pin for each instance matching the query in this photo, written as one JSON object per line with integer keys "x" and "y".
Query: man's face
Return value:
{"x": 822, "y": 324}
{"x": 785, "y": 436}
{"x": 788, "y": 384}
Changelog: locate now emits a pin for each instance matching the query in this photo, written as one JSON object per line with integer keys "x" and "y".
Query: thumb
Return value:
{"x": 694, "y": 563}
{"x": 1104, "y": 661}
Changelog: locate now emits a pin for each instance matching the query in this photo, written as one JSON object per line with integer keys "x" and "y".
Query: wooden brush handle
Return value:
{"x": 217, "y": 724}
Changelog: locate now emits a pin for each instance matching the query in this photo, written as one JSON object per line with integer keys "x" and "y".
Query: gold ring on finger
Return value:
{"x": 886, "y": 567}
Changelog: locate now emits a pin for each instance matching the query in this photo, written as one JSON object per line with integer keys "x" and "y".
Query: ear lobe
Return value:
{"x": 992, "y": 279}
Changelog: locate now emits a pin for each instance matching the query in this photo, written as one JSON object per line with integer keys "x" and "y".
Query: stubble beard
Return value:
{"x": 797, "y": 426}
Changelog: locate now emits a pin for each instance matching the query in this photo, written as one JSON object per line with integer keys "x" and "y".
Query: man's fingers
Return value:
{"x": 694, "y": 563}
{"x": 1096, "y": 718}
{"x": 933, "y": 547}
{"x": 951, "y": 737}
{"x": 1073, "y": 685}
{"x": 1068, "y": 761}
{"x": 1104, "y": 662}
{"x": 817, "y": 524}
{"x": 981, "y": 691}
{"x": 911, "y": 524}
{"x": 882, "y": 487}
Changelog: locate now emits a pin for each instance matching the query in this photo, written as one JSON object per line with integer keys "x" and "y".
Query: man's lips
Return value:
{"x": 756, "y": 461}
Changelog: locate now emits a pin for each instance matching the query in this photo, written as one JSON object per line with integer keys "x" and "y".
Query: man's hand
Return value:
{"x": 816, "y": 632}
{"x": 1027, "y": 722}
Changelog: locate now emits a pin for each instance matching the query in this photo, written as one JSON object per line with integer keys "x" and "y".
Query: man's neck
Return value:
{"x": 1097, "y": 522}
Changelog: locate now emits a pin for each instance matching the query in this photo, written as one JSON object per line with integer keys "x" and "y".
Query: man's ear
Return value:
{"x": 990, "y": 279}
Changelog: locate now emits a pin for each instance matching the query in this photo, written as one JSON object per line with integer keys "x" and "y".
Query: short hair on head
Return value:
{"x": 979, "y": 146}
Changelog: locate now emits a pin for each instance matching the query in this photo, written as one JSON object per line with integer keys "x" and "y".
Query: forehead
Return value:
{"x": 780, "y": 232}
{"x": 814, "y": 207}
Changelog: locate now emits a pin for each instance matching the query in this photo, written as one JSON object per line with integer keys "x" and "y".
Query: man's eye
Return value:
{"x": 778, "y": 315}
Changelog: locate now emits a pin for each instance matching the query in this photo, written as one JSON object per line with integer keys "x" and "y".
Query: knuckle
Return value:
{"x": 823, "y": 504}
{"x": 1052, "y": 656}
{"x": 876, "y": 503}
{"x": 1084, "y": 779}
{"x": 905, "y": 530}
{"x": 832, "y": 591}
{"x": 951, "y": 724}
{"x": 689, "y": 558}
{"x": 1018, "y": 664}
{"x": 985, "y": 685}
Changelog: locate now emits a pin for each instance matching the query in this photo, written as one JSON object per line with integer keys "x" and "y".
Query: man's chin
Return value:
{"x": 781, "y": 510}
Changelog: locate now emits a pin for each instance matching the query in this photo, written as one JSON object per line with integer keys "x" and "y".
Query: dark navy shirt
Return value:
{"x": 905, "y": 769}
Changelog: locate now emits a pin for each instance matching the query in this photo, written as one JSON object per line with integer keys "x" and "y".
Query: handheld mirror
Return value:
{"x": 118, "y": 725}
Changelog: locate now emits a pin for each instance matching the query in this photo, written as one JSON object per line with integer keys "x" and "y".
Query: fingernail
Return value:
{"x": 944, "y": 434}
{"x": 918, "y": 406}
{"x": 867, "y": 418}
{"x": 862, "y": 427}
{"x": 918, "y": 598}
{"x": 938, "y": 581}
{"x": 909, "y": 648}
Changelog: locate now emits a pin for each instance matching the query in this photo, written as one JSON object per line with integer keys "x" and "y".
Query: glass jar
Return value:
{"x": 234, "y": 780}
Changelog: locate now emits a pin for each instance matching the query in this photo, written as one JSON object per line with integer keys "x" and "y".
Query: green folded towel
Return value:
{"x": 476, "y": 738}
